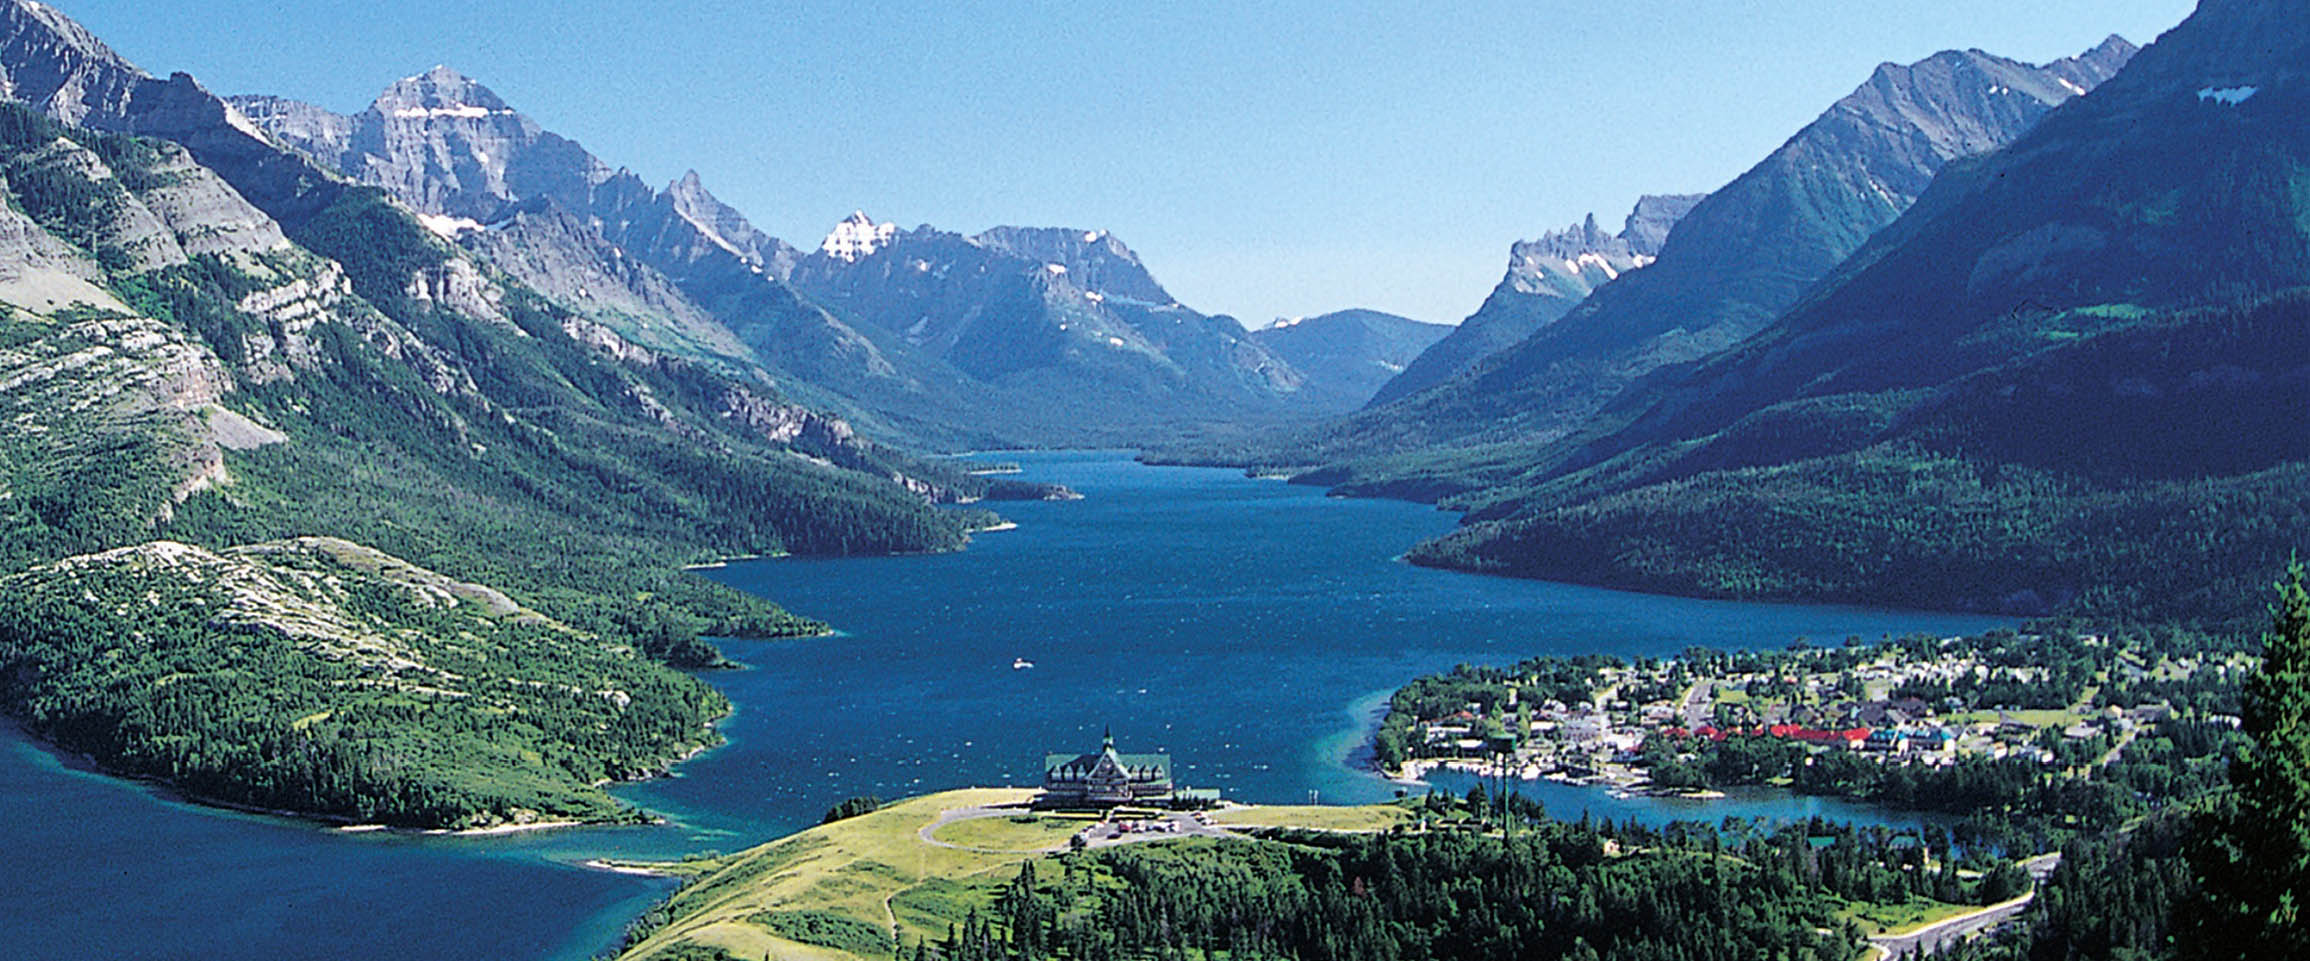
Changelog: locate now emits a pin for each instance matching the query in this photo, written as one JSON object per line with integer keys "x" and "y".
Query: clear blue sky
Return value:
{"x": 1265, "y": 159}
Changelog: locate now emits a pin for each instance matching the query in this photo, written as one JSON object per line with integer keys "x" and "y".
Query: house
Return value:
{"x": 1886, "y": 740}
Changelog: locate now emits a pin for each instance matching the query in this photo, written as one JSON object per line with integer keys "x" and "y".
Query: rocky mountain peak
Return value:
{"x": 39, "y": 22}
{"x": 2110, "y": 54}
{"x": 1648, "y": 224}
{"x": 857, "y": 236}
{"x": 726, "y": 227}
{"x": 1091, "y": 260}
{"x": 439, "y": 92}
{"x": 1584, "y": 248}
{"x": 58, "y": 67}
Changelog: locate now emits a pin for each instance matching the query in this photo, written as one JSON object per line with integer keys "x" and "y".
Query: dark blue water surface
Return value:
{"x": 1249, "y": 628}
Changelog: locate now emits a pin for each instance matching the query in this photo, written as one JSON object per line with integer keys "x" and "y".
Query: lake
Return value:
{"x": 1250, "y": 628}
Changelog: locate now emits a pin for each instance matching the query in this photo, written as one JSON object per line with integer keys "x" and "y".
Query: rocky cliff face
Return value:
{"x": 1095, "y": 260}
{"x": 53, "y": 64}
{"x": 720, "y": 222}
{"x": 454, "y": 151}
{"x": 91, "y": 369}
{"x": 443, "y": 144}
{"x": 564, "y": 256}
{"x": 1546, "y": 278}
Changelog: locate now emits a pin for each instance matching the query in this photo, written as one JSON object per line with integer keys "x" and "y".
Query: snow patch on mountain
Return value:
{"x": 448, "y": 226}
{"x": 463, "y": 111}
{"x": 857, "y": 236}
{"x": 2232, "y": 96}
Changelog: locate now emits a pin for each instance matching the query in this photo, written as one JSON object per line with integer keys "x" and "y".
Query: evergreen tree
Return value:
{"x": 2253, "y": 857}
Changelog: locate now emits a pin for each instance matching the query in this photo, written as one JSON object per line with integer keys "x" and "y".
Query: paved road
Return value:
{"x": 1096, "y": 834}
{"x": 1696, "y": 704}
{"x": 1171, "y": 825}
{"x": 1934, "y": 937}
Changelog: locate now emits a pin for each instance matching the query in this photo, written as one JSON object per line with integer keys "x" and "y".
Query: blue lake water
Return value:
{"x": 1250, "y": 628}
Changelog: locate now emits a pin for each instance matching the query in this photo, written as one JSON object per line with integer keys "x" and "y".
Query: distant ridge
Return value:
{"x": 1350, "y": 353}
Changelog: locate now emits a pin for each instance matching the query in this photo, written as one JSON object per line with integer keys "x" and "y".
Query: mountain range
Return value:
{"x": 2033, "y": 391}
{"x": 920, "y": 335}
{"x": 1733, "y": 262}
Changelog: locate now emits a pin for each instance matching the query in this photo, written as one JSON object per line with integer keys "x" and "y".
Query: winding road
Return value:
{"x": 1940, "y": 934}
{"x": 1098, "y": 834}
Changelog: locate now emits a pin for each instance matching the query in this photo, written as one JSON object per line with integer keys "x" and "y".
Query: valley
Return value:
{"x": 1254, "y": 675}
{"x": 423, "y": 536}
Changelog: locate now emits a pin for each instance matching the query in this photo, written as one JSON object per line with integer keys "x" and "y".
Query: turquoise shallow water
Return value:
{"x": 1247, "y": 627}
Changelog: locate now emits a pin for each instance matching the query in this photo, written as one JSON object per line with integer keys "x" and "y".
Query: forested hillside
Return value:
{"x": 320, "y": 677}
{"x": 178, "y": 365}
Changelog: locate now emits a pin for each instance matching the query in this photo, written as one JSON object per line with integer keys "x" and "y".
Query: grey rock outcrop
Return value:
{"x": 1095, "y": 260}
{"x": 1546, "y": 278}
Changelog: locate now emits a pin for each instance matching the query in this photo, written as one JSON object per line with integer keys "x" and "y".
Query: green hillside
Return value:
{"x": 180, "y": 369}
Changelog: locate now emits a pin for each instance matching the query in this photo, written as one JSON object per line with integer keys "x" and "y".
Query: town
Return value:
{"x": 1801, "y": 717}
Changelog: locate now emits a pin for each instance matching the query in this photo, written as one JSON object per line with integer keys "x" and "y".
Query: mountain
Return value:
{"x": 1094, "y": 260}
{"x": 672, "y": 270}
{"x": 1028, "y": 314}
{"x": 678, "y": 271}
{"x": 2037, "y": 390}
{"x": 1546, "y": 278}
{"x": 646, "y": 263}
{"x": 1746, "y": 253}
{"x": 211, "y": 340}
{"x": 1350, "y": 353}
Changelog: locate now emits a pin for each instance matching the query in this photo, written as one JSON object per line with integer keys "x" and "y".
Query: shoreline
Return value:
{"x": 725, "y": 561}
{"x": 166, "y": 790}
{"x": 498, "y": 829}
{"x": 635, "y": 869}
{"x": 1414, "y": 773}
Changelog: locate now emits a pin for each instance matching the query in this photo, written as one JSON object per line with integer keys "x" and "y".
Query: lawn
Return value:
{"x": 2046, "y": 717}
{"x": 1876, "y": 919}
{"x": 1376, "y": 817}
{"x": 853, "y": 868}
{"x": 1024, "y": 834}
